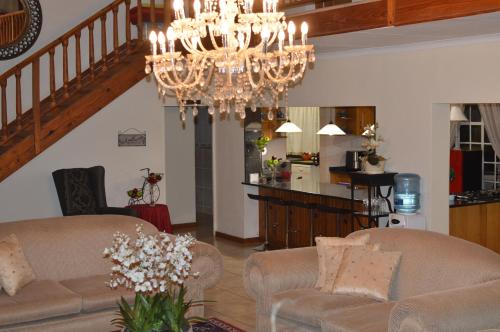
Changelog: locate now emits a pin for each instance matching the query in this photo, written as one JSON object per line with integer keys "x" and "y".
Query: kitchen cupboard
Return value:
{"x": 479, "y": 223}
{"x": 324, "y": 224}
{"x": 354, "y": 119}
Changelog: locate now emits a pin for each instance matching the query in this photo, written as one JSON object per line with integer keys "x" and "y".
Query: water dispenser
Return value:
{"x": 407, "y": 193}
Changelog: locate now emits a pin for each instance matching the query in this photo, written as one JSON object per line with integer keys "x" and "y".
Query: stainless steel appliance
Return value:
{"x": 353, "y": 161}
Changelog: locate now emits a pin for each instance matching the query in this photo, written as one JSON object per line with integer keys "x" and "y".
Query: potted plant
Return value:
{"x": 155, "y": 267}
{"x": 372, "y": 163}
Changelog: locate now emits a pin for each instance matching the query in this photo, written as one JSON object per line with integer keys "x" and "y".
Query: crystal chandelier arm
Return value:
{"x": 179, "y": 83}
{"x": 250, "y": 76}
{"x": 212, "y": 38}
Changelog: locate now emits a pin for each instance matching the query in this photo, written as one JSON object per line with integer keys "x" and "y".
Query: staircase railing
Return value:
{"x": 57, "y": 75}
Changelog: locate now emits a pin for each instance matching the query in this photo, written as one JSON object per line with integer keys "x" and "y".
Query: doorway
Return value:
{"x": 203, "y": 171}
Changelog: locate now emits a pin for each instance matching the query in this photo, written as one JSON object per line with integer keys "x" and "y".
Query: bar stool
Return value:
{"x": 337, "y": 212}
{"x": 265, "y": 199}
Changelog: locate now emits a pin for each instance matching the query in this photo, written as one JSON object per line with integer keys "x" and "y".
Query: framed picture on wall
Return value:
{"x": 131, "y": 137}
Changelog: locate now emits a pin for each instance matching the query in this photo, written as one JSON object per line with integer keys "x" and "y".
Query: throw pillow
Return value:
{"x": 335, "y": 256}
{"x": 367, "y": 273}
{"x": 15, "y": 271}
{"x": 332, "y": 248}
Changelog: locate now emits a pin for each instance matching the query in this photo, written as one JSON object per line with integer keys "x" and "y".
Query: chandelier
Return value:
{"x": 232, "y": 58}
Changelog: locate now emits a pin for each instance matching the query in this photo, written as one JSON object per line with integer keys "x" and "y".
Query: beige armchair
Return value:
{"x": 443, "y": 284}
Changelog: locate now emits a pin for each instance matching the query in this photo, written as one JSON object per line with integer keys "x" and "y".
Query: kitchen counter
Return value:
{"x": 460, "y": 203}
{"x": 304, "y": 162}
{"x": 313, "y": 188}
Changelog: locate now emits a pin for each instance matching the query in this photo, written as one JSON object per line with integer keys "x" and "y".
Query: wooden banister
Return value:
{"x": 72, "y": 78}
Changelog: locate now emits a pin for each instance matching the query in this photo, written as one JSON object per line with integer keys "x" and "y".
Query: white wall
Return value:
{"x": 30, "y": 192}
{"x": 180, "y": 166}
{"x": 229, "y": 172}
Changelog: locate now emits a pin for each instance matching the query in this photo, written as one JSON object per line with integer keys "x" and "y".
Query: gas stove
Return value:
{"x": 479, "y": 195}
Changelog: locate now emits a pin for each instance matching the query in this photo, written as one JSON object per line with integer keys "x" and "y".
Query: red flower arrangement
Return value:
{"x": 154, "y": 178}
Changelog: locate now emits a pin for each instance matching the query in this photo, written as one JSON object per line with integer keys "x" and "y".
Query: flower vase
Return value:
{"x": 368, "y": 168}
{"x": 273, "y": 175}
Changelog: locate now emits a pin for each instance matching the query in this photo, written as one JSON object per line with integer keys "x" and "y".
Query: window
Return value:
{"x": 473, "y": 136}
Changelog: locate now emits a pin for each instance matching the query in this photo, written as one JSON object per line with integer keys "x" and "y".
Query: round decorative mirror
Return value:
{"x": 20, "y": 25}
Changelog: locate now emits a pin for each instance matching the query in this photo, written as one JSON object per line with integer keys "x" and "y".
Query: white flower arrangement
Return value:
{"x": 150, "y": 263}
{"x": 371, "y": 144}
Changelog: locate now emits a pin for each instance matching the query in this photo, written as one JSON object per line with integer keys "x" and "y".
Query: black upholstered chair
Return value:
{"x": 81, "y": 191}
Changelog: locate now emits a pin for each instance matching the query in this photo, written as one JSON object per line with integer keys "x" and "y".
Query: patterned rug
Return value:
{"x": 215, "y": 325}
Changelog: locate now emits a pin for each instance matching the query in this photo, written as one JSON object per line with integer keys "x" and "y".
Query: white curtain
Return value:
{"x": 490, "y": 113}
{"x": 454, "y": 126}
{"x": 307, "y": 118}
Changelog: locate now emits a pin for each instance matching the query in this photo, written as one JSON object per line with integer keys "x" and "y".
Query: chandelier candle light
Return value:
{"x": 226, "y": 65}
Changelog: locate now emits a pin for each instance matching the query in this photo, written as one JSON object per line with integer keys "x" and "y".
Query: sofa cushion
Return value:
{"x": 38, "y": 300}
{"x": 366, "y": 318}
{"x": 15, "y": 270}
{"x": 365, "y": 272}
{"x": 309, "y": 305}
{"x": 330, "y": 252}
{"x": 95, "y": 294}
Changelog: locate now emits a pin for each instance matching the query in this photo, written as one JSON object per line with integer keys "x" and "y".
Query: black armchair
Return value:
{"x": 81, "y": 191}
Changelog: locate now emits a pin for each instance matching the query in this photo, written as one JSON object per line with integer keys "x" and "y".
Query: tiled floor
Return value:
{"x": 232, "y": 304}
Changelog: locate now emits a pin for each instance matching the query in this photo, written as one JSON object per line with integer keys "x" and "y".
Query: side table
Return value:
{"x": 157, "y": 215}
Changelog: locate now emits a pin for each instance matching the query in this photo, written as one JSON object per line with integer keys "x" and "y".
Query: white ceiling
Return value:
{"x": 459, "y": 28}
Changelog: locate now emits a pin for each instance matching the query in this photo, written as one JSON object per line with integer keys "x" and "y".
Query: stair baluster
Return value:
{"x": 78, "y": 62}
{"x": 104, "y": 46}
{"x": 65, "y": 68}
{"x": 52, "y": 74}
{"x": 152, "y": 14}
{"x": 36, "y": 103}
{"x": 116, "y": 57}
{"x": 166, "y": 14}
{"x": 19, "y": 106}
{"x": 127, "y": 26}
{"x": 91, "y": 51}
{"x": 140, "y": 33}
{"x": 5, "y": 131}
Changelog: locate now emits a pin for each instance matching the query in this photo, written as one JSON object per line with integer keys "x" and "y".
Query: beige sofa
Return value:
{"x": 69, "y": 293}
{"x": 443, "y": 284}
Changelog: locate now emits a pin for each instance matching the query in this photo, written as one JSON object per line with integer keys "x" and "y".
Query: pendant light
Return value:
{"x": 331, "y": 129}
{"x": 457, "y": 114}
{"x": 288, "y": 126}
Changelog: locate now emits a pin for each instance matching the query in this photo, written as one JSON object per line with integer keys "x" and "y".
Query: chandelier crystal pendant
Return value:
{"x": 232, "y": 58}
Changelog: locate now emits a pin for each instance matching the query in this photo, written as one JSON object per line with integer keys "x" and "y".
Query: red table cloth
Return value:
{"x": 158, "y": 215}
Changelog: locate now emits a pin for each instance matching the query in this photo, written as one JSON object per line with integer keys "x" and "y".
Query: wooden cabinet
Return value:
{"x": 299, "y": 219}
{"x": 353, "y": 120}
{"x": 341, "y": 178}
{"x": 477, "y": 223}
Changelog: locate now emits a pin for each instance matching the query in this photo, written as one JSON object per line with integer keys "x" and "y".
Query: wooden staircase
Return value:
{"x": 26, "y": 133}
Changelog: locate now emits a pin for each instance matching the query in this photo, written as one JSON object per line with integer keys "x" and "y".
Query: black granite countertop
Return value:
{"x": 313, "y": 188}
{"x": 461, "y": 203}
